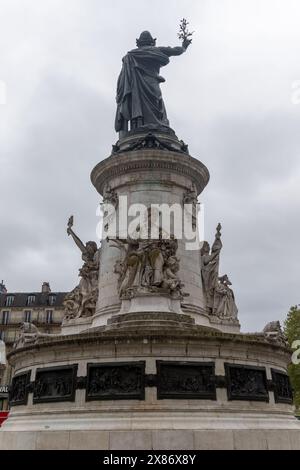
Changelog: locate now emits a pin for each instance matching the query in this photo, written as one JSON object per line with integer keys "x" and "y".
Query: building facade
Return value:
{"x": 44, "y": 309}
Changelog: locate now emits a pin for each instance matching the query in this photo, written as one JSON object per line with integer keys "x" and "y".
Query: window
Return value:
{"x": 5, "y": 318}
{"x": 27, "y": 317}
{"x": 30, "y": 299}
{"x": 49, "y": 316}
{"x": 9, "y": 300}
{"x": 52, "y": 299}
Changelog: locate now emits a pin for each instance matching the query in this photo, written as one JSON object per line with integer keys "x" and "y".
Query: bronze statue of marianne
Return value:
{"x": 139, "y": 98}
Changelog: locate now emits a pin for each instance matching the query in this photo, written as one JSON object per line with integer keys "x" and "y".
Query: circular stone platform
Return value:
{"x": 170, "y": 385}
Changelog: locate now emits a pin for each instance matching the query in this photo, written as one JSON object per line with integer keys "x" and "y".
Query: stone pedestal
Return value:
{"x": 153, "y": 176}
{"x": 165, "y": 383}
{"x": 149, "y": 177}
{"x": 156, "y": 369}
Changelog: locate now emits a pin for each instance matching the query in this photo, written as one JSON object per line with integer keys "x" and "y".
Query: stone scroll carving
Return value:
{"x": 190, "y": 197}
{"x": 148, "y": 266}
{"x": 220, "y": 300}
{"x": 81, "y": 301}
{"x": 116, "y": 381}
{"x": 110, "y": 196}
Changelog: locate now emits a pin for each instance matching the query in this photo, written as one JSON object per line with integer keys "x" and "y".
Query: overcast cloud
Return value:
{"x": 229, "y": 97}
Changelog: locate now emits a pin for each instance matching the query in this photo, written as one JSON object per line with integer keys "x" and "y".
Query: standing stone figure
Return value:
{"x": 219, "y": 297}
{"x": 210, "y": 267}
{"x": 139, "y": 98}
{"x": 81, "y": 302}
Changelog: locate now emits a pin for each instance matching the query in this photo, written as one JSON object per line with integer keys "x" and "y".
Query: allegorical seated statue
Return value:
{"x": 81, "y": 302}
{"x": 139, "y": 98}
{"x": 148, "y": 266}
{"x": 224, "y": 301}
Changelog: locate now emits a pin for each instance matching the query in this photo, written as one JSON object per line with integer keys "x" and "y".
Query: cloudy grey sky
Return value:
{"x": 230, "y": 98}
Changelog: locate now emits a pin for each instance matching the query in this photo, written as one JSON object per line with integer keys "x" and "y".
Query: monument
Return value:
{"x": 150, "y": 354}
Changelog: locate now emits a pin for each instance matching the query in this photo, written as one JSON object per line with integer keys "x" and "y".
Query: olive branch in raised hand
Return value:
{"x": 184, "y": 34}
{"x": 70, "y": 224}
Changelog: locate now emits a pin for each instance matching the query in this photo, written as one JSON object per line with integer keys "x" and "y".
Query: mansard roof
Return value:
{"x": 42, "y": 300}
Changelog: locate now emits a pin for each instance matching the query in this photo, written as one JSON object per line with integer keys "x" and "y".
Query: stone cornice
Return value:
{"x": 195, "y": 333}
{"x": 150, "y": 160}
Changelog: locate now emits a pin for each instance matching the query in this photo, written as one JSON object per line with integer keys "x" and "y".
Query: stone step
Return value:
{"x": 192, "y": 309}
{"x": 151, "y": 316}
{"x": 147, "y": 324}
{"x": 109, "y": 309}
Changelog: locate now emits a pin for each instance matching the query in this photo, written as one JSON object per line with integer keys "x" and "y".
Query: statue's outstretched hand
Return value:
{"x": 186, "y": 43}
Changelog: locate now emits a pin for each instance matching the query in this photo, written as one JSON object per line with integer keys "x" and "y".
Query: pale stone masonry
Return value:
{"x": 44, "y": 309}
{"x": 150, "y": 353}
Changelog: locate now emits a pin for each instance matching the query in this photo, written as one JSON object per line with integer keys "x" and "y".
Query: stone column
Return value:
{"x": 150, "y": 176}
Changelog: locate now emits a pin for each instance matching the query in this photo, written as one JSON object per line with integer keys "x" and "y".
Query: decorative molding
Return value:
{"x": 186, "y": 380}
{"x": 144, "y": 160}
{"x": 246, "y": 382}
{"x": 151, "y": 141}
{"x": 195, "y": 332}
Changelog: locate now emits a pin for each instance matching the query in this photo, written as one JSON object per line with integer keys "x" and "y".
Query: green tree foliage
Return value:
{"x": 292, "y": 332}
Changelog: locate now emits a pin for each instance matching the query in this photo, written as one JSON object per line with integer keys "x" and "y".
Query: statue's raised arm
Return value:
{"x": 76, "y": 239}
{"x": 89, "y": 250}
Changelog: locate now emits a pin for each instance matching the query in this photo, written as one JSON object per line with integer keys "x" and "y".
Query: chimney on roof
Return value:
{"x": 3, "y": 289}
{"x": 46, "y": 288}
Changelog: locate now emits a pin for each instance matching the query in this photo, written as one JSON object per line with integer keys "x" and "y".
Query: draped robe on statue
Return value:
{"x": 139, "y": 96}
